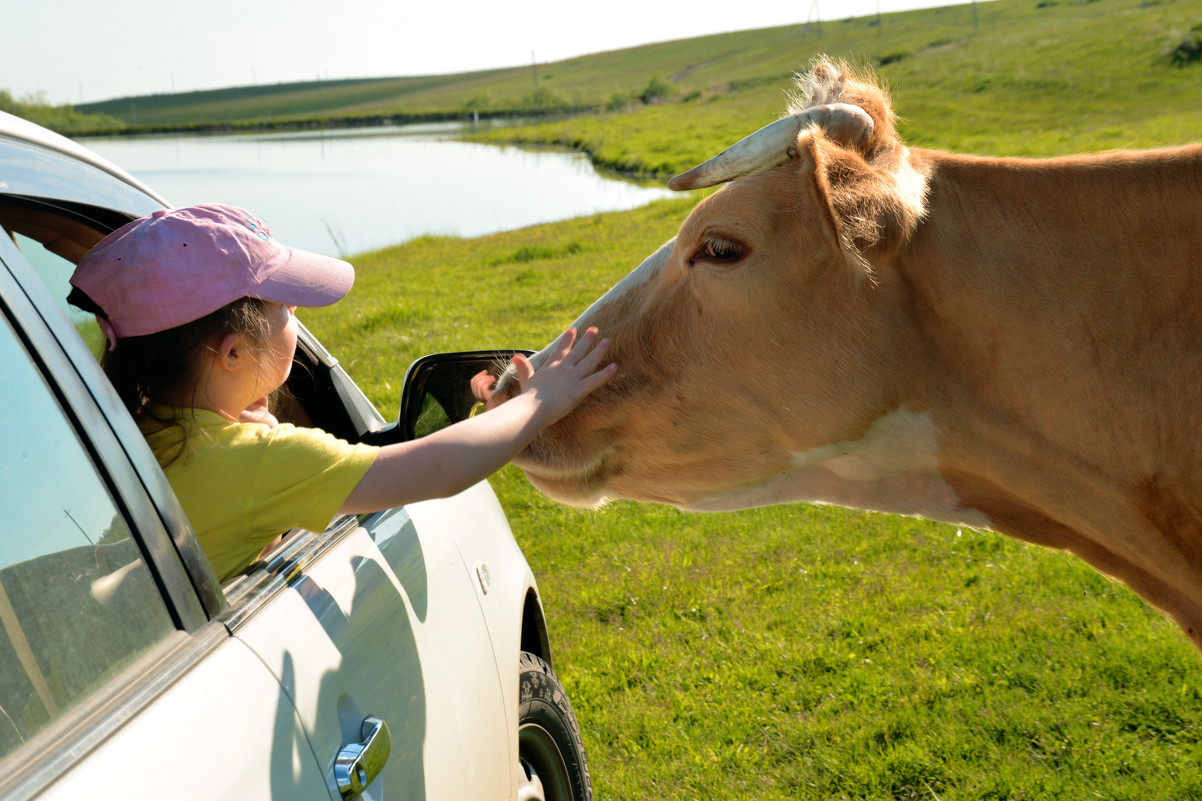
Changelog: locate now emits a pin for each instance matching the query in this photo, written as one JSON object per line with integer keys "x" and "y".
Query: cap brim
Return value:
{"x": 307, "y": 279}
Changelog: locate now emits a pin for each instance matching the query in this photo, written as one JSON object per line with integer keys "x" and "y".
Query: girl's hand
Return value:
{"x": 454, "y": 458}
{"x": 481, "y": 384}
{"x": 259, "y": 412}
{"x": 567, "y": 376}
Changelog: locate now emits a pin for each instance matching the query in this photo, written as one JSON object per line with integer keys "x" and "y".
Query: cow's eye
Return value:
{"x": 719, "y": 251}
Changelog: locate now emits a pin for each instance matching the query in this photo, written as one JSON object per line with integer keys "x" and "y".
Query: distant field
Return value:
{"x": 1033, "y": 78}
{"x": 295, "y": 101}
{"x": 801, "y": 652}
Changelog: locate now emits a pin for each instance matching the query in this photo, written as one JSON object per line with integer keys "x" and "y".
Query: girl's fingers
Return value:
{"x": 600, "y": 377}
{"x": 592, "y": 358}
{"x": 583, "y": 344}
{"x": 523, "y": 368}
{"x": 584, "y": 352}
{"x": 563, "y": 345}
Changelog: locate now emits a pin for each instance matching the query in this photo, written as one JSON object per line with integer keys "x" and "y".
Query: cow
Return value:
{"x": 1003, "y": 343}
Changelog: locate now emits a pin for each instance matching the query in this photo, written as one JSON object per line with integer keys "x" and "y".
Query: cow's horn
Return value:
{"x": 775, "y": 144}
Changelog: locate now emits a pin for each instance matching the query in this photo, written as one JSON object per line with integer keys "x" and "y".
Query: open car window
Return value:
{"x": 52, "y": 239}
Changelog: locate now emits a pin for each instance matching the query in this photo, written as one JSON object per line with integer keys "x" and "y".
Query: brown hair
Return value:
{"x": 150, "y": 371}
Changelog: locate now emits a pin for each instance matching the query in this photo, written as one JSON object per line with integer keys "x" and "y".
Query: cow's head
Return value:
{"x": 765, "y": 330}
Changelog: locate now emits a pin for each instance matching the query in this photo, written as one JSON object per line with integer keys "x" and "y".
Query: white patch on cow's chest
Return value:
{"x": 893, "y": 467}
{"x": 900, "y": 443}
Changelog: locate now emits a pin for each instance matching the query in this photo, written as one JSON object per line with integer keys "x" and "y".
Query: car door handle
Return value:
{"x": 358, "y": 764}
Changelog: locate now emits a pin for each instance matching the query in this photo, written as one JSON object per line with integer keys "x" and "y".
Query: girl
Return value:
{"x": 197, "y": 305}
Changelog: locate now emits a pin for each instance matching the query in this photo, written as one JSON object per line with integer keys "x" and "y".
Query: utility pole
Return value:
{"x": 534, "y": 67}
{"x": 974, "y": 14}
{"x": 71, "y": 517}
{"x": 813, "y": 15}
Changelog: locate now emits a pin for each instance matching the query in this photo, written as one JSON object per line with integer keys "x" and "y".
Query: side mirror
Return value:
{"x": 438, "y": 391}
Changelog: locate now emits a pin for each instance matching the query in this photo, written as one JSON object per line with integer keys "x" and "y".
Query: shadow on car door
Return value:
{"x": 384, "y": 623}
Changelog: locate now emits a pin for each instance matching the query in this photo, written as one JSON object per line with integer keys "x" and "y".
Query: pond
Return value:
{"x": 342, "y": 192}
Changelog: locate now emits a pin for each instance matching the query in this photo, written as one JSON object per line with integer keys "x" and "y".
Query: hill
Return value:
{"x": 1033, "y": 78}
{"x": 1009, "y": 76}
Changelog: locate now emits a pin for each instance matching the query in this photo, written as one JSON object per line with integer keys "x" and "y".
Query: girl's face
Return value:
{"x": 280, "y": 347}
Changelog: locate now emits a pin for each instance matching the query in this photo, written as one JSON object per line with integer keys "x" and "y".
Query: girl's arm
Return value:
{"x": 453, "y": 459}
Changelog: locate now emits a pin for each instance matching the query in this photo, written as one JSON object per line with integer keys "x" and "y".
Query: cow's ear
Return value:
{"x": 813, "y": 167}
{"x": 869, "y": 207}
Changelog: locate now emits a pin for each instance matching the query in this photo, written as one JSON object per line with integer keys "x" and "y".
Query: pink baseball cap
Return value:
{"x": 178, "y": 265}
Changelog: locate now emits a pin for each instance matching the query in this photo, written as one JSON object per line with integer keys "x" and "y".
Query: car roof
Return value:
{"x": 22, "y": 130}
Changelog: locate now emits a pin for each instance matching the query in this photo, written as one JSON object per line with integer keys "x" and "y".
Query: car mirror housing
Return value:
{"x": 444, "y": 388}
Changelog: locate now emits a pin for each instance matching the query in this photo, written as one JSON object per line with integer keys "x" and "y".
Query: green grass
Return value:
{"x": 803, "y": 652}
{"x": 57, "y": 118}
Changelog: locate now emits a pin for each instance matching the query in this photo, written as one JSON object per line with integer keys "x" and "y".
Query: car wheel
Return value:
{"x": 550, "y": 750}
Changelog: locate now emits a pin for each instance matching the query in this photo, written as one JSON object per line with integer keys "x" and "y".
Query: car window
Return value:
{"x": 52, "y": 239}
{"x": 55, "y": 272}
{"x": 77, "y": 601}
{"x": 51, "y": 242}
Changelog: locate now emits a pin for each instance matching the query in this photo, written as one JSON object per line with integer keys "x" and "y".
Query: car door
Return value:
{"x": 386, "y": 624}
{"x": 382, "y": 617}
{"x": 113, "y": 680}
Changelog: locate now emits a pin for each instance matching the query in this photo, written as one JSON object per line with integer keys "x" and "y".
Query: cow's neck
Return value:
{"x": 1053, "y": 339}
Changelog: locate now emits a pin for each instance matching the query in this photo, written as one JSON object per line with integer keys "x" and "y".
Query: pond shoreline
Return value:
{"x": 335, "y": 123}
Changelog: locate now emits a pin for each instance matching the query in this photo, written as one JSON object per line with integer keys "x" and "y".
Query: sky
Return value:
{"x": 70, "y": 52}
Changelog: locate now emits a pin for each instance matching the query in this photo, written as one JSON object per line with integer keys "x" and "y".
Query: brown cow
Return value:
{"x": 1005, "y": 343}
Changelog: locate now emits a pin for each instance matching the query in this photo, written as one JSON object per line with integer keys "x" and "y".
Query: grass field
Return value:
{"x": 802, "y": 652}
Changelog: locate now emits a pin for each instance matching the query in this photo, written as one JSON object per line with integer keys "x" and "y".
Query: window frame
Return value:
{"x": 135, "y": 480}
{"x": 93, "y": 425}
{"x": 60, "y": 176}
{"x": 347, "y": 413}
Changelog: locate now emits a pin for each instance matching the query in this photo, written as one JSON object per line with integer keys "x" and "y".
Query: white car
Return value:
{"x": 399, "y": 655}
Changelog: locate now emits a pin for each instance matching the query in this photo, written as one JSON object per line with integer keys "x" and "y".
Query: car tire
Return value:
{"x": 550, "y": 750}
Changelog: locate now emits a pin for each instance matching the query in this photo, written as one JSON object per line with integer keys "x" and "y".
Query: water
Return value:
{"x": 348, "y": 191}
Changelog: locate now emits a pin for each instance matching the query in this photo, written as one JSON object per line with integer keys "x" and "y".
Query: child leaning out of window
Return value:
{"x": 197, "y": 304}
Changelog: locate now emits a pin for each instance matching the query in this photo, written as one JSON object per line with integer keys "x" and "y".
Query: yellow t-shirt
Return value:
{"x": 243, "y": 484}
